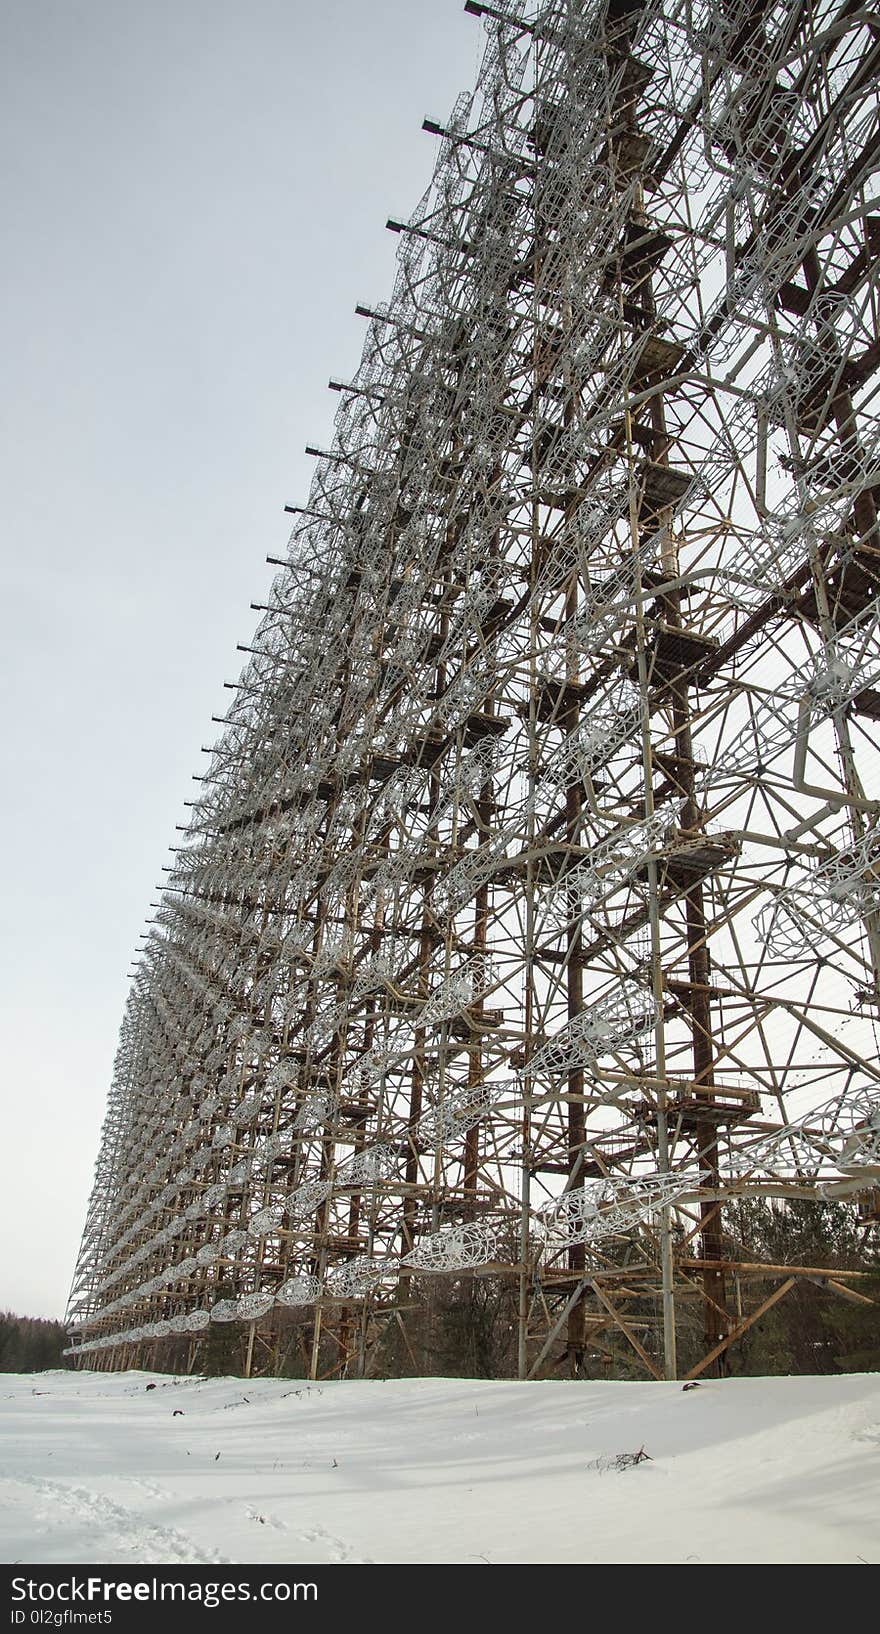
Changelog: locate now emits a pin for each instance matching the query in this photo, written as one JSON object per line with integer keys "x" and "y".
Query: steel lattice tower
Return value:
{"x": 528, "y": 911}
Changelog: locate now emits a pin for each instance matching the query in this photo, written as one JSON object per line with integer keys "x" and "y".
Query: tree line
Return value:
{"x": 30, "y": 1344}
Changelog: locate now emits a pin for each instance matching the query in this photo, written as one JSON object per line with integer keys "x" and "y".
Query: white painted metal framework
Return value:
{"x": 530, "y": 903}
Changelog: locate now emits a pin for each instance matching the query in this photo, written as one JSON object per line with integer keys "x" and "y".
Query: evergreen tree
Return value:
{"x": 30, "y": 1344}
{"x": 821, "y": 1326}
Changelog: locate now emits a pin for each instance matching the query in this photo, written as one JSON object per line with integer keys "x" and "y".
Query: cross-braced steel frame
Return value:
{"x": 528, "y": 910}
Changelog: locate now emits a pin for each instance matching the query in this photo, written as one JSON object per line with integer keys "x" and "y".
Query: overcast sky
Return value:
{"x": 195, "y": 194}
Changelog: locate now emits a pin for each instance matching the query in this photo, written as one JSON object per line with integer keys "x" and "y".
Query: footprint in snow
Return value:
{"x": 149, "y": 1488}
{"x": 124, "y": 1528}
{"x": 266, "y": 1519}
{"x": 339, "y": 1551}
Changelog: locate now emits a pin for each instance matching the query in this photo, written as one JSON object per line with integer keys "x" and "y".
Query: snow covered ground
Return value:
{"x": 97, "y": 1468}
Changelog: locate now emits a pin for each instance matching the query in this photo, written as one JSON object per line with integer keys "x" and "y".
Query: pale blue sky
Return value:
{"x": 194, "y": 198}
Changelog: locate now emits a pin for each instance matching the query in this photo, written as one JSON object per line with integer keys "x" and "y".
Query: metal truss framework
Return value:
{"x": 528, "y": 910}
